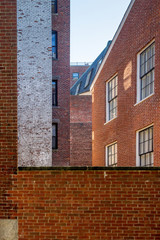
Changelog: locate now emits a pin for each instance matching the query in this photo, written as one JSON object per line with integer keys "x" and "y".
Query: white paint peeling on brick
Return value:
{"x": 34, "y": 83}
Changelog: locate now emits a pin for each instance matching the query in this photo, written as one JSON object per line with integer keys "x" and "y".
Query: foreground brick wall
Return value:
{"x": 8, "y": 102}
{"x": 77, "y": 69}
{"x": 87, "y": 203}
{"x": 80, "y": 130}
{"x": 141, "y": 27}
{"x": 61, "y": 73}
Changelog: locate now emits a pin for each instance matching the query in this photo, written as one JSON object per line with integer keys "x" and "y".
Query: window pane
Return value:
{"x": 146, "y": 146}
{"x": 54, "y": 44}
{"x": 54, "y": 136}
{"x": 112, "y": 155}
{"x": 75, "y": 76}
{"x": 54, "y": 93}
{"x": 147, "y": 71}
{"x": 54, "y": 6}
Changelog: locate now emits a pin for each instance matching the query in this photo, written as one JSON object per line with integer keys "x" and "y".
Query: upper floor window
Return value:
{"x": 111, "y": 155}
{"x": 54, "y": 136}
{"x": 54, "y": 6}
{"x": 75, "y": 76}
{"x": 145, "y": 147}
{"x": 54, "y": 44}
{"x": 88, "y": 79}
{"x": 54, "y": 93}
{"x": 145, "y": 70}
{"x": 77, "y": 88}
{"x": 111, "y": 98}
{"x": 98, "y": 64}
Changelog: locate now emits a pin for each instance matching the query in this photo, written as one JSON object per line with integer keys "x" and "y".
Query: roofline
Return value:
{"x": 113, "y": 42}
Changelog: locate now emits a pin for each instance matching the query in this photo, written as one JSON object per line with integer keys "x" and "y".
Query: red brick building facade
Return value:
{"x": 126, "y": 92}
{"x": 61, "y": 78}
{"x": 76, "y": 72}
{"x": 81, "y": 130}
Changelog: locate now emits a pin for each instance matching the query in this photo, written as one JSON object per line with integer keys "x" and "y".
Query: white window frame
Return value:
{"x": 138, "y": 75}
{"x": 107, "y": 103}
{"x": 106, "y": 153}
{"x": 137, "y": 145}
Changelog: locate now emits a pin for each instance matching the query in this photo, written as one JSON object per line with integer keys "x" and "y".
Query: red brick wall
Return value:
{"x": 61, "y": 73}
{"x": 87, "y": 204}
{"x": 8, "y": 102}
{"x": 80, "y": 130}
{"x": 141, "y": 26}
{"x": 77, "y": 69}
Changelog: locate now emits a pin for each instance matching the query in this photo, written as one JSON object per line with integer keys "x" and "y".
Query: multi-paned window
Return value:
{"x": 111, "y": 155}
{"x": 54, "y": 6}
{"x": 54, "y": 136}
{"x": 75, "y": 76}
{"x": 146, "y": 71}
{"x": 54, "y": 93}
{"x": 112, "y": 93}
{"x": 146, "y": 147}
{"x": 88, "y": 78}
{"x": 54, "y": 44}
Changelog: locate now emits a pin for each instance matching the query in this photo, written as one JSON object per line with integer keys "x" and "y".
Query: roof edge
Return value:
{"x": 113, "y": 42}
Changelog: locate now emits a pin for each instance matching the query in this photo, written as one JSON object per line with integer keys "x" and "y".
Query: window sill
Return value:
{"x": 55, "y": 14}
{"x": 143, "y": 99}
{"x": 55, "y": 106}
{"x": 109, "y": 121}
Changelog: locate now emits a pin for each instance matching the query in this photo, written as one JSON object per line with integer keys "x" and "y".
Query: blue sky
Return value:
{"x": 93, "y": 23}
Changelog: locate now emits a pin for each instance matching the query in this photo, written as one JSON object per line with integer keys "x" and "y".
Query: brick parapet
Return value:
{"x": 87, "y": 203}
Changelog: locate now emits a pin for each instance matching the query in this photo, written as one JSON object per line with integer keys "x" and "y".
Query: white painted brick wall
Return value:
{"x": 34, "y": 83}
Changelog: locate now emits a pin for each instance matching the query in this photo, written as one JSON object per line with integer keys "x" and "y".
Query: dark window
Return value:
{"x": 75, "y": 76}
{"x": 54, "y": 136}
{"x": 54, "y": 6}
{"x": 147, "y": 59}
{"x": 88, "y": 78}
{"x": 112, "y": 97}
{"x": 98, "y": 64}
{"x": 54, "y": 93}
{"x": 77, "y": 88}
{"x": 112, "y": 155}
{"x": 146, "y": 147}
{"x": 54, "y": 44}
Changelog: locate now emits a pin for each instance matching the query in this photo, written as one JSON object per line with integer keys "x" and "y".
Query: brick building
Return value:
{"x": 44, "y": 82}
{"x": 56, "y": 203}
{"x": 126, "y": 93}
{"x": 76, "y": 71}
{"x": 61, "y": 83}
{"x": 81, "y": 115}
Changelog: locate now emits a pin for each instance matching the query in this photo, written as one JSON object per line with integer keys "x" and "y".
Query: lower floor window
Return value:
{"x": 54, "y": 136}
{"x": 111, "y": 155}
{"x": 146, "y": 147}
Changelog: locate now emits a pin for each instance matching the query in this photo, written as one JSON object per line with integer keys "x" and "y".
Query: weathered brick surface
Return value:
{"x": 87, "y": 204}
{"x": 141, "y": 26}
{"x": 77, "y": 69}
{"x": 80, "y": 130}
{"x": 8, "y": 102}
{"x": 61, "y": 73}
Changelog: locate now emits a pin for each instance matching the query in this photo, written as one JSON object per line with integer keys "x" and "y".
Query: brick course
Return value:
{"x": 61, "y": 73}
{"x": 141, "y": 27}
{"x": 80, "y": 130}
{"x": 8, "y": 102}
{"x": 87, "y": 203}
